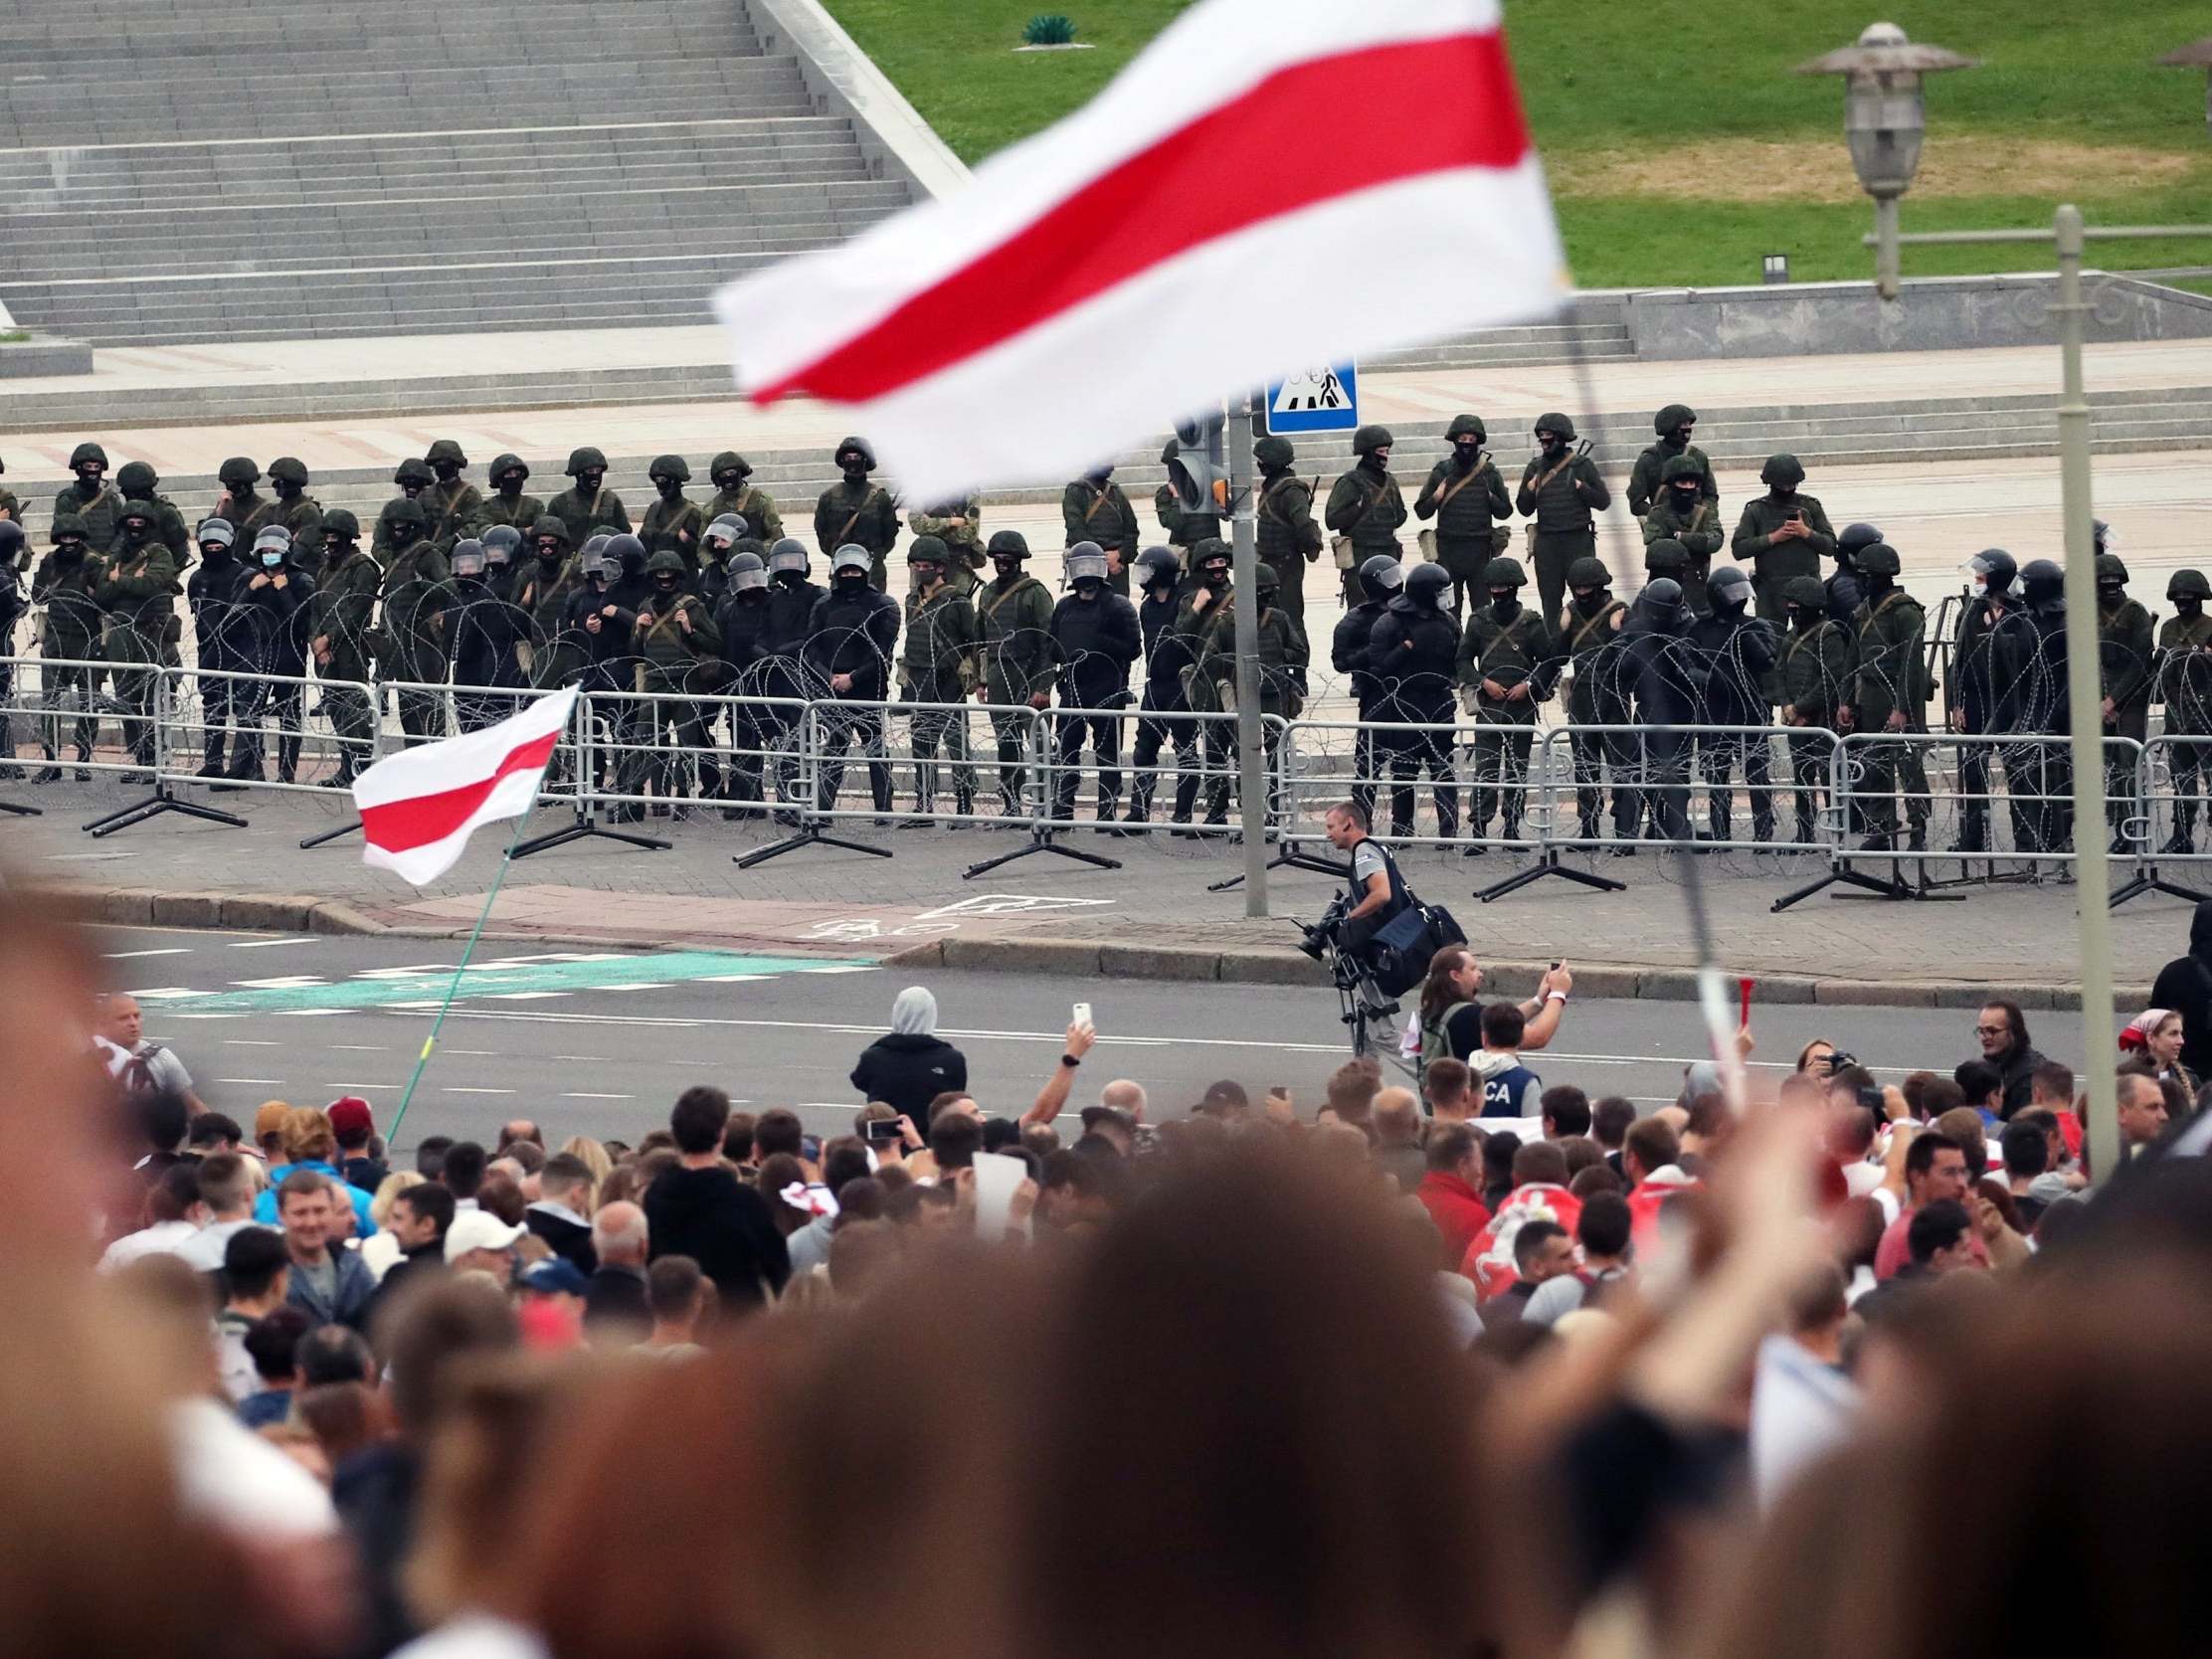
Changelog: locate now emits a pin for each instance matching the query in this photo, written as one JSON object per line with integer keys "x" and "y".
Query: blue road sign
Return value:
{"x": 1323, "y": 399}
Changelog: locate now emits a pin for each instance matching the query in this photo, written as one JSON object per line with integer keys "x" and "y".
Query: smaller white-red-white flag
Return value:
{"x": 1270, "y": 183}
{"x": 419, "y": 807}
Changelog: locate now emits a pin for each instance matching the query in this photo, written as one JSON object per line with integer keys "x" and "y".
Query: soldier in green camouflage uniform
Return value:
{"x": 1563, "y": 491}
{"x": 588, "y": 507}
{"x": 1587, "y": 627}
{"x": 1283, "y": 658}
{"x": 139, "y": 483}
{"x": 412, "y": 476}
{"x": 138, "y": 590}
{"x": 550, "y": 575}
{"x": 673, "y": 523}
{"x": 1680, "y": 513}
{"x": 66, "y": 583}
{"x": 1183, "y": 526}
{"x": 1095, "y": 508}
{"x": 856, "y": 511}
{"x": 1365, "y": 509}
{"x": 2124, "y": 651}
{"x": 339, "y": 635}
{"x": 1889, "y": 691}
{"x": 452, "y": 502}
{"x": 418, "y": 594}
{"x": 959, "y": 525}
{"x": 1466, "y": 495}
{"x": 298, "y": 512}
{"x": 246, "y": 509}
{"x": 1014, "y": 645}
{"x": 937, "y": 664}
{"x": 679, "y": 652}
{"x": 1289, "y": 536}
{"x": 91, "y": 499}
{"x": 1812, "y": 678}
{"x": 1506, "y": 668}
{"x": 2184, "y": 682}
{"x": 506, "y": 504}
{"x": 733, "y": 494}
{"x": 1784, "y": 533}
{"x": 1672, "y": 424}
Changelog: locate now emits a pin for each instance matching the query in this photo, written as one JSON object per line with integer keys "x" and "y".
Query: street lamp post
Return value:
{"x": 1884, "y": 121}
{"x": 1884, "y": 117}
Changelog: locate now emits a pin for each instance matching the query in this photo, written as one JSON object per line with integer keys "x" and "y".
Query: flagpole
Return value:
{"x": 453, "y": 987}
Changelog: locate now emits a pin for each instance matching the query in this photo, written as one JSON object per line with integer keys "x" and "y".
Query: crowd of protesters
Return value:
{"x": 1843, "y": 1367}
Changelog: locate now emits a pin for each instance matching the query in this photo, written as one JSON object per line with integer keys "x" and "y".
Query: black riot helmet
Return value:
{"x": 1993, "y": 569}
{"x": 787, "y": 561}
{"x": 1157, "y": 567}
{"x": 1661, "y": 605}
{"x": 1427, "y": 585}
{"x": 470, "y": 558}
{"x": 500, "y": 543}
{"x": 1880, "y": 564}
{"x": 1380, "y": 576}
{"x": 629, "y": 552}
{"x": 1854, "y": 537}
{"x": 2043, "y": 585}
{"x": 1728, "y": 590}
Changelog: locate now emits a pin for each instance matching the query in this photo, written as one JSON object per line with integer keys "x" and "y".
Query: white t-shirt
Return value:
{"x": 162, "y": 1238}
{"x": 230, "y": 1476}
{"x": 204, "y": 1249}
{"x": 162, "y": 1065}
{"x": 1801, "y": 1409}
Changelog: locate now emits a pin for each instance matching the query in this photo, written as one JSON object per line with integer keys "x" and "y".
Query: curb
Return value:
{"x": 1073, "y": 958}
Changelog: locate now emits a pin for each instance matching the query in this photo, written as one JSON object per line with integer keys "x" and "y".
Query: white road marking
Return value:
{"x": 283, "y": 982}
{"x": 580, "y": 1096}
{"x": 263, "y": 944}
{"x": 259, "y": 1082}
{"x": 359, "y": 1088}
{"x": 359, "y": 1048}
{"x": 251, "y": 1042}
{"x": 516, "y": 995}
{"x": 130, "y": 956}
{"x": 311, "y": 1013}
{"x": 480, "y": 1092}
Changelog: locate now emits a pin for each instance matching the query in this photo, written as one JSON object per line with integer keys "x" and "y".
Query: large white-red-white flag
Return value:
{"x": 419, "y": 807}
{"x": 1271, "y": 183}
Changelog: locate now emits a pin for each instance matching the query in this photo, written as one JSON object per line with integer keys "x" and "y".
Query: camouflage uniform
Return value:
{"x": 1283, "y": 656}
{"x": 100, "y": 508}
{"x": 1365, "y": 509}
{"x": 733, "y": 494}
{"x": 2125, "y": 650}
{"x": 859, "y": 512}
{"x": 68, "y": 591}
{"x": 412, "y": 478}
{"x": 1014, "y": 643}
{"x": 300, "y": 514}
{"x": 589, "y": 510}
{"x": 2185, "y": 687}
{"x": 1470, "y": 505}
{"x": 138, "y": 590}
{"x": 1890, "y": 679}
{"x": 1585, "y": 636}
{"x": 963, "y": 541}
{"x": 1289, "y": 538}
{"x": 343, "y": 624}
{"x": 936, "y": 663}
{"x": 452, "y": 504}
{"x": 1697, "y": 526}
{"x": 1649, "y": 473}
{"x": 417, "y": 592}
{"x": 1508, "y": 651}
{"x": 519, "y": 510}
{"x": 1775, "y": 563}
{"x": 1813, "y": 676}
{"x": 673, "y": 523}
{"x": 1561, "y": 490}
{"x": 1095, "y": 508}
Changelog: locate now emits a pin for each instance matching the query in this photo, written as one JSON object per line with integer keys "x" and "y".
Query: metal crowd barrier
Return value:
{"x": 285, "y": 729}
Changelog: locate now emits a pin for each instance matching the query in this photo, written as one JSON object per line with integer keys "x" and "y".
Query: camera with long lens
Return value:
{"x": 1319, "y": 941}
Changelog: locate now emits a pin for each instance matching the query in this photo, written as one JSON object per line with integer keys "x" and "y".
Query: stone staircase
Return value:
{"x": 414, "y": 168}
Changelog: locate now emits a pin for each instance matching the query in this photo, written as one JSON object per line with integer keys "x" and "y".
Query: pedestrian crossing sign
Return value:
{"x": 1321, "y": 399}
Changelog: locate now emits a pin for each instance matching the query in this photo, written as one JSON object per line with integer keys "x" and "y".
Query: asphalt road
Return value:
{"x": 602, "y": 1043}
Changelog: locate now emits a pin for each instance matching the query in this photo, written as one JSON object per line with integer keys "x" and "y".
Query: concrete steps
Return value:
{"x": 2125, "y": 423}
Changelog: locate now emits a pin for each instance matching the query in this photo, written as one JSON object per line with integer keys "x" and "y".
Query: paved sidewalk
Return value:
{"x": 1152, "y": 918}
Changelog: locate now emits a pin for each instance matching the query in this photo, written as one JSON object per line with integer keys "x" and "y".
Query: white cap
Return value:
{"x": 478, "y": 1229}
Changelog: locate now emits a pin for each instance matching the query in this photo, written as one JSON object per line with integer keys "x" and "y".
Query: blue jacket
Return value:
{"x": 264, "y": 1208}
{"x": 349, "y": 1302}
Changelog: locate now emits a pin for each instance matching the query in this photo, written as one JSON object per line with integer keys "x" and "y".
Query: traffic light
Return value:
{"x": 1197, "y": 471}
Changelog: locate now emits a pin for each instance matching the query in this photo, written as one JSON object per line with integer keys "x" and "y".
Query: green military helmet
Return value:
{"x": 414, "y": 470}
{"x": 1210, "y": 548}
{"x": 137, "y": 480}
{"x": 1466, "y": 426}
{"x": 137, "y": 509}
{"x": 288, "y": 470}
{"x": 65, "y": 526}
{"x": 1674, "y": 416}
{"x": 928, "y": 550}
{"x": 1681, "y": 466}
{"x": 547, "y": 525}
{"x": 340, "y": 524}
{"x": 858, "y": 447}
{"x": 501, "y": 467}
{"x": 2188, "y": 584}
{"x": 1267, "y": 579}
{"x": 88, "y": 452}
{"x": 2110, "y": 573}
{"x": 1589, "y": 571}
{"x": 1008, "y": 544}
{"x": 585, "y": 459}
{"x": 1879, "y": 558}
{"x": 1503, "y": 572}
{"x": 445, "y": 450}
{"x": 1370, "y": 438}
{"x": 1556, "y": 423}
{"x": 1806, "y": 593}
{"x": 1273, "y": 451}
{"x": 407, "y": 514}
{"x": 669, "y": 467}
{"x": 239, "y": 470}
{"x": 1666, "y": 556}
{"x": 666, "y": 561}
{"x": 729, "y": 461}
{"x": 1783, "y": 470}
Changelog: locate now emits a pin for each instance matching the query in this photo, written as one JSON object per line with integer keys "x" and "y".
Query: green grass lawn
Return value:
{"x": 1683, "y": 148}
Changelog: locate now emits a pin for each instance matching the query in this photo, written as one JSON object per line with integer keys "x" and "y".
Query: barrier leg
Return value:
{"x": 1549, "y": 864}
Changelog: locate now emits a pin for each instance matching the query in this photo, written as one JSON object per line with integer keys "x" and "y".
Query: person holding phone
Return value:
{"x": 911, "y": 1065}
{"x": 1785, "y": 534}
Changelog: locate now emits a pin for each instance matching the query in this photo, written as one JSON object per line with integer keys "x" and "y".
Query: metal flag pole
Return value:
{"x": 1251, "y": 760}
{"x": 452, "y": 985}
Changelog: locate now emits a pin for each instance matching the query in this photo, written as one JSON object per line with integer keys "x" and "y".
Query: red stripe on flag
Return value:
{"x": 418, "y": 819}
{"x": 1305, "y": 135}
